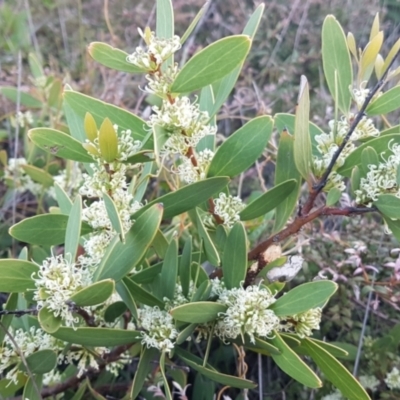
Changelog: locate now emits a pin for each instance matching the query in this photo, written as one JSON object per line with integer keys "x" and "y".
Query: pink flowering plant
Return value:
{"x": 147, "y": 257}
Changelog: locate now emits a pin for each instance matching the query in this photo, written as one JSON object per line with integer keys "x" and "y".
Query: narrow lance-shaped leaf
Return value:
{"x": 386, "y": 103}
{"x": 188, "y": 197}
{"x": 198, "y": 312}
{"x": 143, "y": 370}
{"x": 389, "y": 205}
{"x": 336, "y": 62}
{"x": 212, "y": 63}
{"x": 225, "y": 86}
{"x": 234, "y": 262}
{"x": 289, "y": 362}
{"x": 120, "y": 258}
{"x": 114, "y": 216}
{"x": 112, "y": 58}
{"x": 96, "y": 293}
{"x": 268, "y": 201}
{"x": 165, "y": 24}
{"x": 335, "y": 372}
{"x": 141, "y": 295}
{"x": 108, "y": 141}
{"x": 73, "y": 231}
{"x": 16, "y": 275}
{"x": 302, "y": 141}
{"x": 286, "y": 169}
{"x": 38, "y": 175}
{"x": 46, "y": 230}
{"x": 25, "y": 99}
{"x": 59, "y": 144}
{"x": 304, "y": 297}
{"x": 184, "y": 266}
{"x": 242, "y": 148}
{"x": 169, "y": 271}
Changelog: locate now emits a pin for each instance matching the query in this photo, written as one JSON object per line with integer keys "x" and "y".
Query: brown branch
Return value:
{"x": 19, "y": 313}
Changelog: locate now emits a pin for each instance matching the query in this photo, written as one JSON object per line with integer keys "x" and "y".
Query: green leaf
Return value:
{"x": 167, "y": 392}
{"x": 113, "y": 58}
{"x": 142, "y": 295}
{"x": 285, "y": 170}
{"x": 355, "y": 180}
{"x": 212, "y": 63}
{"x": 335, "y": 351}
{"x": 285, "y": 121}
{"x": 59, "y": 144}
{"x": 209, "y": 247}
{"x": 63, "y": 200}
{"x": 169, "y": 271}
{"x": 96, "y": 293}
{"x": 394, "y": 226}
{"x": 48, "y": 322}
{"x": 242, "y": 148}
{"x": 32, "y": 388}
{"x": 35, "y": 66}
{"x": 389, "y": 205}
{"x": 304, "y": 297}
{"x": 289, "y": 362}
{"x": 336, "y": 62}
{"x": 234, "y": 262}
{"x": 216, "y": 376}
{"x": 80, "y": 104}
{"x": 335, "y": 372}
{"x": 25, "y": 99}
{"x": 302, "y": 148}
{"x": 40, "y": 362}
{"x": 16, "y": 275}
{"x": 114, "y": 311}
{"x": 46, "y": 230}
{"x": 184, "y": 266}
{"x": 226, "y": 84}
{"x": 369, "y": 157}
{"x": 10, "y": 305}
{"x": 113, "y": 214}
{"x": 95, "y": 337}
{"x": 73, "y": 231}
{"x": 261, "y": 346}
{"x": 333, "y": 196}
{"x": 127, "y": 297}
{"x": 203, "y": 291}
{"x": 268, "y": 201}
{"x": 185, "y": 333}
{"x": 38, "y": 175}
{"x": 120, "y": 258}
{"x": 386, "y": 103}
{"x": 379, "y": 144}
{"x": 198, "y": 312}
{"x": 188, "y": 197}
{"x": 143, "y": 369}
{"x": 165, "y": 19}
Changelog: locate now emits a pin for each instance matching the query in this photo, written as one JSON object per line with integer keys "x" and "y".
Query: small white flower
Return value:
{"x": 336, "y": 395}
{"x": 393, "y": 379}
{"x": 56, "y": 281}
{"x": 228, "y": 208}
{"x": 190, "y": 173}
{"x": 159, "y": 329}
{"x": 307, "y": 321}
{"x": 369, "y": 382}
{"x": 359, "y": 95}
{"x": 247, "y": 313}
{"x": 160, "y": 83}
{"x": 158, "y": 50}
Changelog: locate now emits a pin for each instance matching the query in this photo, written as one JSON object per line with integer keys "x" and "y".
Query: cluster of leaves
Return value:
{"x": 168, "y": 255}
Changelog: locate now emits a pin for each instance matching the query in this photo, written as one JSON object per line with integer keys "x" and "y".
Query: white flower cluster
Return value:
{"x": 184, "y": 122}
{"x": 159, "y": 329}
{"x": 160, "y": 83}
{"x": 336, "y": 395}
{"x": 56, "y": 281}
{"x": 190, "y": 173}
{"x": 27, "y": 342}
{"x": 392, "y": 379}
{"x": 18, "y": 179}
{"x": 369, "y": 382}
{"x": 380, "y": 179}
{"x": 69, "y": 179}
{"x": 328, "y": 144}
{"x": 158, "y": 50}
{"x": 247, "y": 313}
{"x": 110, "y": 179}
{"x": 359, "y": 95}
{"x": 22, "y": 119}
{"x": 304, "y": 323}
{"x": 228, "y": 208}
